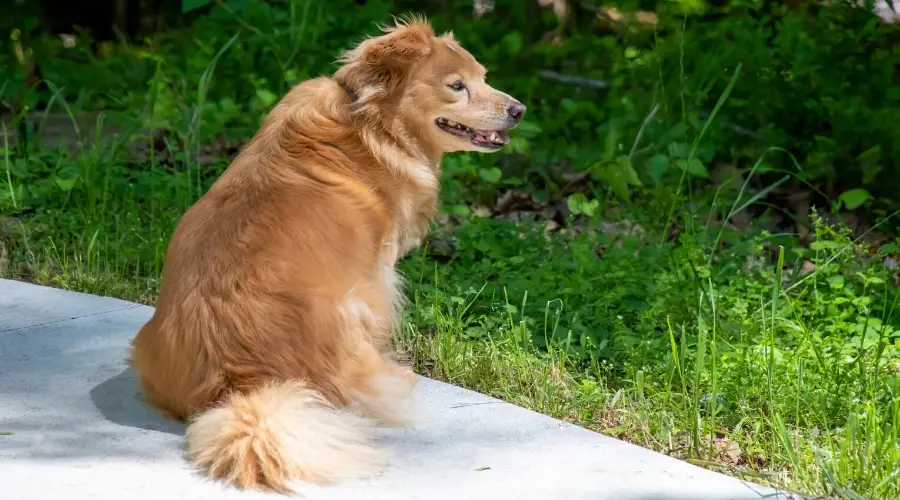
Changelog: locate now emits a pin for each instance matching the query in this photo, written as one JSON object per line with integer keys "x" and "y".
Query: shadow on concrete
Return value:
{"x": 61, "y": 425}
{"x": 120, "y": 401}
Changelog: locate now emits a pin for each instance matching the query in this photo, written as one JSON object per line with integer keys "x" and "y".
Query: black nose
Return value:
{"x": 516, "y": 110}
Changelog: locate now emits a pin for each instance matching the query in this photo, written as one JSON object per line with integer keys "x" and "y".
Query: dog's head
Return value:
{"x": 430, "y": 86}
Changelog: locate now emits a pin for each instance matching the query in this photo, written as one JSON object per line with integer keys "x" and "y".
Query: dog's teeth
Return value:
{"x": 495, "y": 137}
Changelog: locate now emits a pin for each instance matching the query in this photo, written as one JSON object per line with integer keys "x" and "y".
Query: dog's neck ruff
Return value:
{"x": 405, "y": 158}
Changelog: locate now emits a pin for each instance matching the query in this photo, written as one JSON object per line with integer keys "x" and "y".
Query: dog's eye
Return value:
{"x": 457, "y": 86}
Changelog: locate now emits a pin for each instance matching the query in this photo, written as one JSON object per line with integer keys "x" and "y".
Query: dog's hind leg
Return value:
{"x": 383, "y": 388}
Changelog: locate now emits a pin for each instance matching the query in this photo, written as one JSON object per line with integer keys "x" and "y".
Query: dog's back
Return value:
{"x": 256, "y": 265}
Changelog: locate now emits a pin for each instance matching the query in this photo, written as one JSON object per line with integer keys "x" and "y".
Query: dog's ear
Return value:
{"x": 401, "y": 44}
{"x": 376, "y": 66}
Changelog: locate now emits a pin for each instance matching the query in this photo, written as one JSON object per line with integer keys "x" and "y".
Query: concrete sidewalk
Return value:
{"x": 74, "y": 426}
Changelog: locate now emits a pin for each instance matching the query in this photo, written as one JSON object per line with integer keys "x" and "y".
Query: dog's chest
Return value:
{"x": 416, "y": 210}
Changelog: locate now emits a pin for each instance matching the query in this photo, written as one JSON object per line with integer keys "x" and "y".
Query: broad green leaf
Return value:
{"x": 870, "y": 172}
{"x": 870, "y": 165}
{"x": 238, "y": 5}
{"x": 874, "y": 280}
{"x": 518, "y": 145}
{"x": 656, "y": 167}
{"x": 870, "y": 156}
{"x": 627, "y": 170}
{"x": 569, "y": 105}
{"x": 694, "y": 167}
{"x": 266, "y": 97}
{"x": 854, "y": 198}
{"x": 618, "y": 176}
{"x": 576, "y": 203}
{"x": 189, "y": 5}
{"x": 64, "y": 184}
{"x": 491, "y": 175}
{"x": 611, "y": 145}
{"x": 461, "y": 210}
{"x": 513, "y": 43}
{"x": 836, "y": 281}
{"x": 528, "y": 129}
{"x": 605, "y": 175}
{"x": 679, "y": 150}
{"x": 579, "y": 204}
{"x": 823, "y": 244}
{"x": 676, "y": 132}
{"x": 590, "y": 208}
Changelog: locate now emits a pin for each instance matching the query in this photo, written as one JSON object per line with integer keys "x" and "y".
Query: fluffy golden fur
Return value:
{"x": 279, "y": 296}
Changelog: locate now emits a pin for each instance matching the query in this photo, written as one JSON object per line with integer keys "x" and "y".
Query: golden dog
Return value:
{"x": 279, "y": 296}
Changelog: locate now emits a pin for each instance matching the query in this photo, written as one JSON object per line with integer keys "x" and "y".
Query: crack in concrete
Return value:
{"x": 70, "y": 319}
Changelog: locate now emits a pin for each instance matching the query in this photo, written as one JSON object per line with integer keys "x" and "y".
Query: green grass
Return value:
{"x": 647, "y": 317}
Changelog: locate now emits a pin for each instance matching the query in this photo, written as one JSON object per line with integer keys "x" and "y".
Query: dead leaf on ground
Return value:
{"x": 443, "y": 219}
{"x": 441, "y": 247}
{"x": 733, "y": 177}
{"x": 894, "y": 366}
{"x": 9, "y": 222}
{"x": 729, "y": 451}
{"x": 725, "y": 450}
{"x": 69, "y": 40}
{"x": 512, "y": 199}
{"x": 754, "y": 262}
{"x": 807, "y": 267}
{"x": 517, "y": 206}
{"x": 560, "y": 8}
{"x": 623, "y": 227}
{"x": 575, "y": 182}
{"x": 614, "y": 14}
{"x": 799, "y": 202}
{"x": 482, "y": 7}
{"x": 607, "y": 419}
{"x": 551, "y": 226}
{"x": 482, "y": 211}
{"x": 646, "y": 18}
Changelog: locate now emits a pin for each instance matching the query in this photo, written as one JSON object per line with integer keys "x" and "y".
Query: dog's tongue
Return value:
{"x": 493, "y": 136}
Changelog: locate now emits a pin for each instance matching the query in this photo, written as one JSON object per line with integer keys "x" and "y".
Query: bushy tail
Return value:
{"x": 280, "y": 432}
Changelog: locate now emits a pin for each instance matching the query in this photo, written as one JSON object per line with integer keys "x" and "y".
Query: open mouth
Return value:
{"x": 490, "y": 139}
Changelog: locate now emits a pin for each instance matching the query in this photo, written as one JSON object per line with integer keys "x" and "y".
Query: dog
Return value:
{"x": 272, "y": 331}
